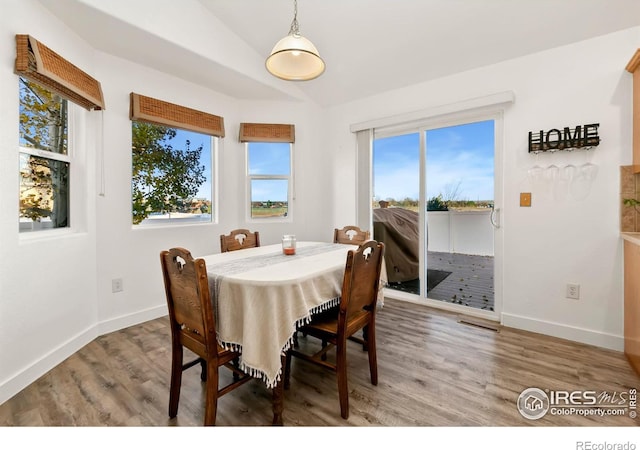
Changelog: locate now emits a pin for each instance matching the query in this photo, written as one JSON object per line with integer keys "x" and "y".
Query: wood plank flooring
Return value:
{"x": 433, "y": 371}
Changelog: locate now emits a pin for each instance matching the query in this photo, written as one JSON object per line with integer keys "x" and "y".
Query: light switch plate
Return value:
{"x": 525, "y": 198}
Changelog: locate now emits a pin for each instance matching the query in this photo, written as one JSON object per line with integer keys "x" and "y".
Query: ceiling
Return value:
{"x": 369, "y": 46}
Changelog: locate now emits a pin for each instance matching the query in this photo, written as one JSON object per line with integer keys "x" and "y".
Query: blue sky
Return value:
{"x": 264, "y": 159}
{"x": 459, "y": 155}
{"x": 269, "y": 159}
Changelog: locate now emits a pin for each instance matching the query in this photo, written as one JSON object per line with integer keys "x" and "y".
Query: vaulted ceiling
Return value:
{"x": 369, "y": 46}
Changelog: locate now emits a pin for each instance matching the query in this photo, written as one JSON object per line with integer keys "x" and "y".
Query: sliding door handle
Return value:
{"x": 495, "y": 217}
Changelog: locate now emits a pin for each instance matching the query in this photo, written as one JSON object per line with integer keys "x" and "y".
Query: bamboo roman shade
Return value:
{"x": 267, "y": 132}
{"x": 42, "y": 65}
{"x": 159, "y": 112}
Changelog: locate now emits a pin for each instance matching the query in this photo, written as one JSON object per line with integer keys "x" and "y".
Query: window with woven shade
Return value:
{"x": 49, "y": 88}
{"x": 269, "y": 155}
{"x": 174, "y": 152}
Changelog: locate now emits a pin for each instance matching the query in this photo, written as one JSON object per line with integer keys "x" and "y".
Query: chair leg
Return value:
{"x": 373, "y": 358}
{"x": 176, "y": 380}
{"x": 341, "y": 369}
{"x": 211, "y": 402}
{"x": 324, "y": 355}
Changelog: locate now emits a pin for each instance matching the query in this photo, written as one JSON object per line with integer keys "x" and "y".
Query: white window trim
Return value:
{"x": 74, "y": 204}
{"x": 290, "y": 193}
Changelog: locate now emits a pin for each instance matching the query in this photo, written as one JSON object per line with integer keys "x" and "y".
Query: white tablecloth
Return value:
{"x": 260, "y": 295}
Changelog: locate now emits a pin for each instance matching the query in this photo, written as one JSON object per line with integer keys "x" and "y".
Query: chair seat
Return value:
{"x": 326, "y": 324}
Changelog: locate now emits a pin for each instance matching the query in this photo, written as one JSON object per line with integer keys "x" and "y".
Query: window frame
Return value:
{"x": 69, "y": 158}
{"x": 214, "y": 183}
{"x": 289, "y": 178}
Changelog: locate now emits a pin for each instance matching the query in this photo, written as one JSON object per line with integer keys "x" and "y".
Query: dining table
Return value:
{"x": 261, "y": 295}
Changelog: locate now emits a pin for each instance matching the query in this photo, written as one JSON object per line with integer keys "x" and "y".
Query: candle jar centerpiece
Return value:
{"x": 289, "y": 244}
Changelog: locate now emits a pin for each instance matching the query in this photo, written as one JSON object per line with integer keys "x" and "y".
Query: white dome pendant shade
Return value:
{"x": 294, "y": 57}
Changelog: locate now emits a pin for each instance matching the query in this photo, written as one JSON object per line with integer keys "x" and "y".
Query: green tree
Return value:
{"x": 163, "y": 176}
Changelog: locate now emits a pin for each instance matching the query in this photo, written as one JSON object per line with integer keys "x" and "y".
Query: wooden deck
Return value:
{"x": 470, "y": 282}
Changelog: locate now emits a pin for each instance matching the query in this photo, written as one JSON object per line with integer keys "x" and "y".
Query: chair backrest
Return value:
{"x": 238, "y": 240}
{"x": 361, "y": 280}
{"x": 189, "y": 302}
{"x": 350, "y": 235}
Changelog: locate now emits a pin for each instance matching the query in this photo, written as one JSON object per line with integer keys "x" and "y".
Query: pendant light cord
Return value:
{"x": 295, "y": 28}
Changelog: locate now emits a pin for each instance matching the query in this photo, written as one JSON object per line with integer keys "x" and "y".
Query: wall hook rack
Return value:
{"x": 583, "y": 137}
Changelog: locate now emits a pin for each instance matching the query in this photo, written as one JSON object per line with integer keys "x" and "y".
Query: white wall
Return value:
{"x": 48, "y": 303}
{"x": 557, "y": 240}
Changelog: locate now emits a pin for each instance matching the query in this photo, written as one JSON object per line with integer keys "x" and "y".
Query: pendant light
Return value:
{"x": 294, "y": 57}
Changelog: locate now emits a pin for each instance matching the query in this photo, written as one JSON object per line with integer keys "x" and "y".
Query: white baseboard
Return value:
{"x": 28, "y": 375}
{"x": 118, "y": 323}
{"x": 560, "y": 330}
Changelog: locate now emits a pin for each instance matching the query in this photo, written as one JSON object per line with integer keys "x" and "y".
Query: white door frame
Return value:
{"x": 485, "y": 108}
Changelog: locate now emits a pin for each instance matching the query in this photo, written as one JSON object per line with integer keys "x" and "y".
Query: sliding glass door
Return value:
{"x": 396, "y": 208}
{"x": 434, "y": 207}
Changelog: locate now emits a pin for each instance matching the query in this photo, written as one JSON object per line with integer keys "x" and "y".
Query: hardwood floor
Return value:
{"x": 433, "y": 371}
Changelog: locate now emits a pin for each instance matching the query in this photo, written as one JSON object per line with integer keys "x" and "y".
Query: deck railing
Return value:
{"x": 467, "y": 232}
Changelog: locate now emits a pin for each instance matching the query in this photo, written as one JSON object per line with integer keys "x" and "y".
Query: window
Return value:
{"x": 47, "y": 81}
{"x": 174, "y": 151}
{"x": 269, "y": 149}
{"x": 45, "y": 159}
{"x": 269, "y": 179}
{"x": 172, "y": 175}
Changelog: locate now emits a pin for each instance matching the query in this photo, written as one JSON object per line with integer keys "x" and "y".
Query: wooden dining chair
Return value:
{"x": 193, "y": 326}
{"x": 238, "y": 240}
{"x": 350, "y": 235}
{"x": 357, "y": 310}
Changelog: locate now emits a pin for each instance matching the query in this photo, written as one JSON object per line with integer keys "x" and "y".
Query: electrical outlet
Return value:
{"x": 573, "y": 291}
{"x": 116, "y": 285}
